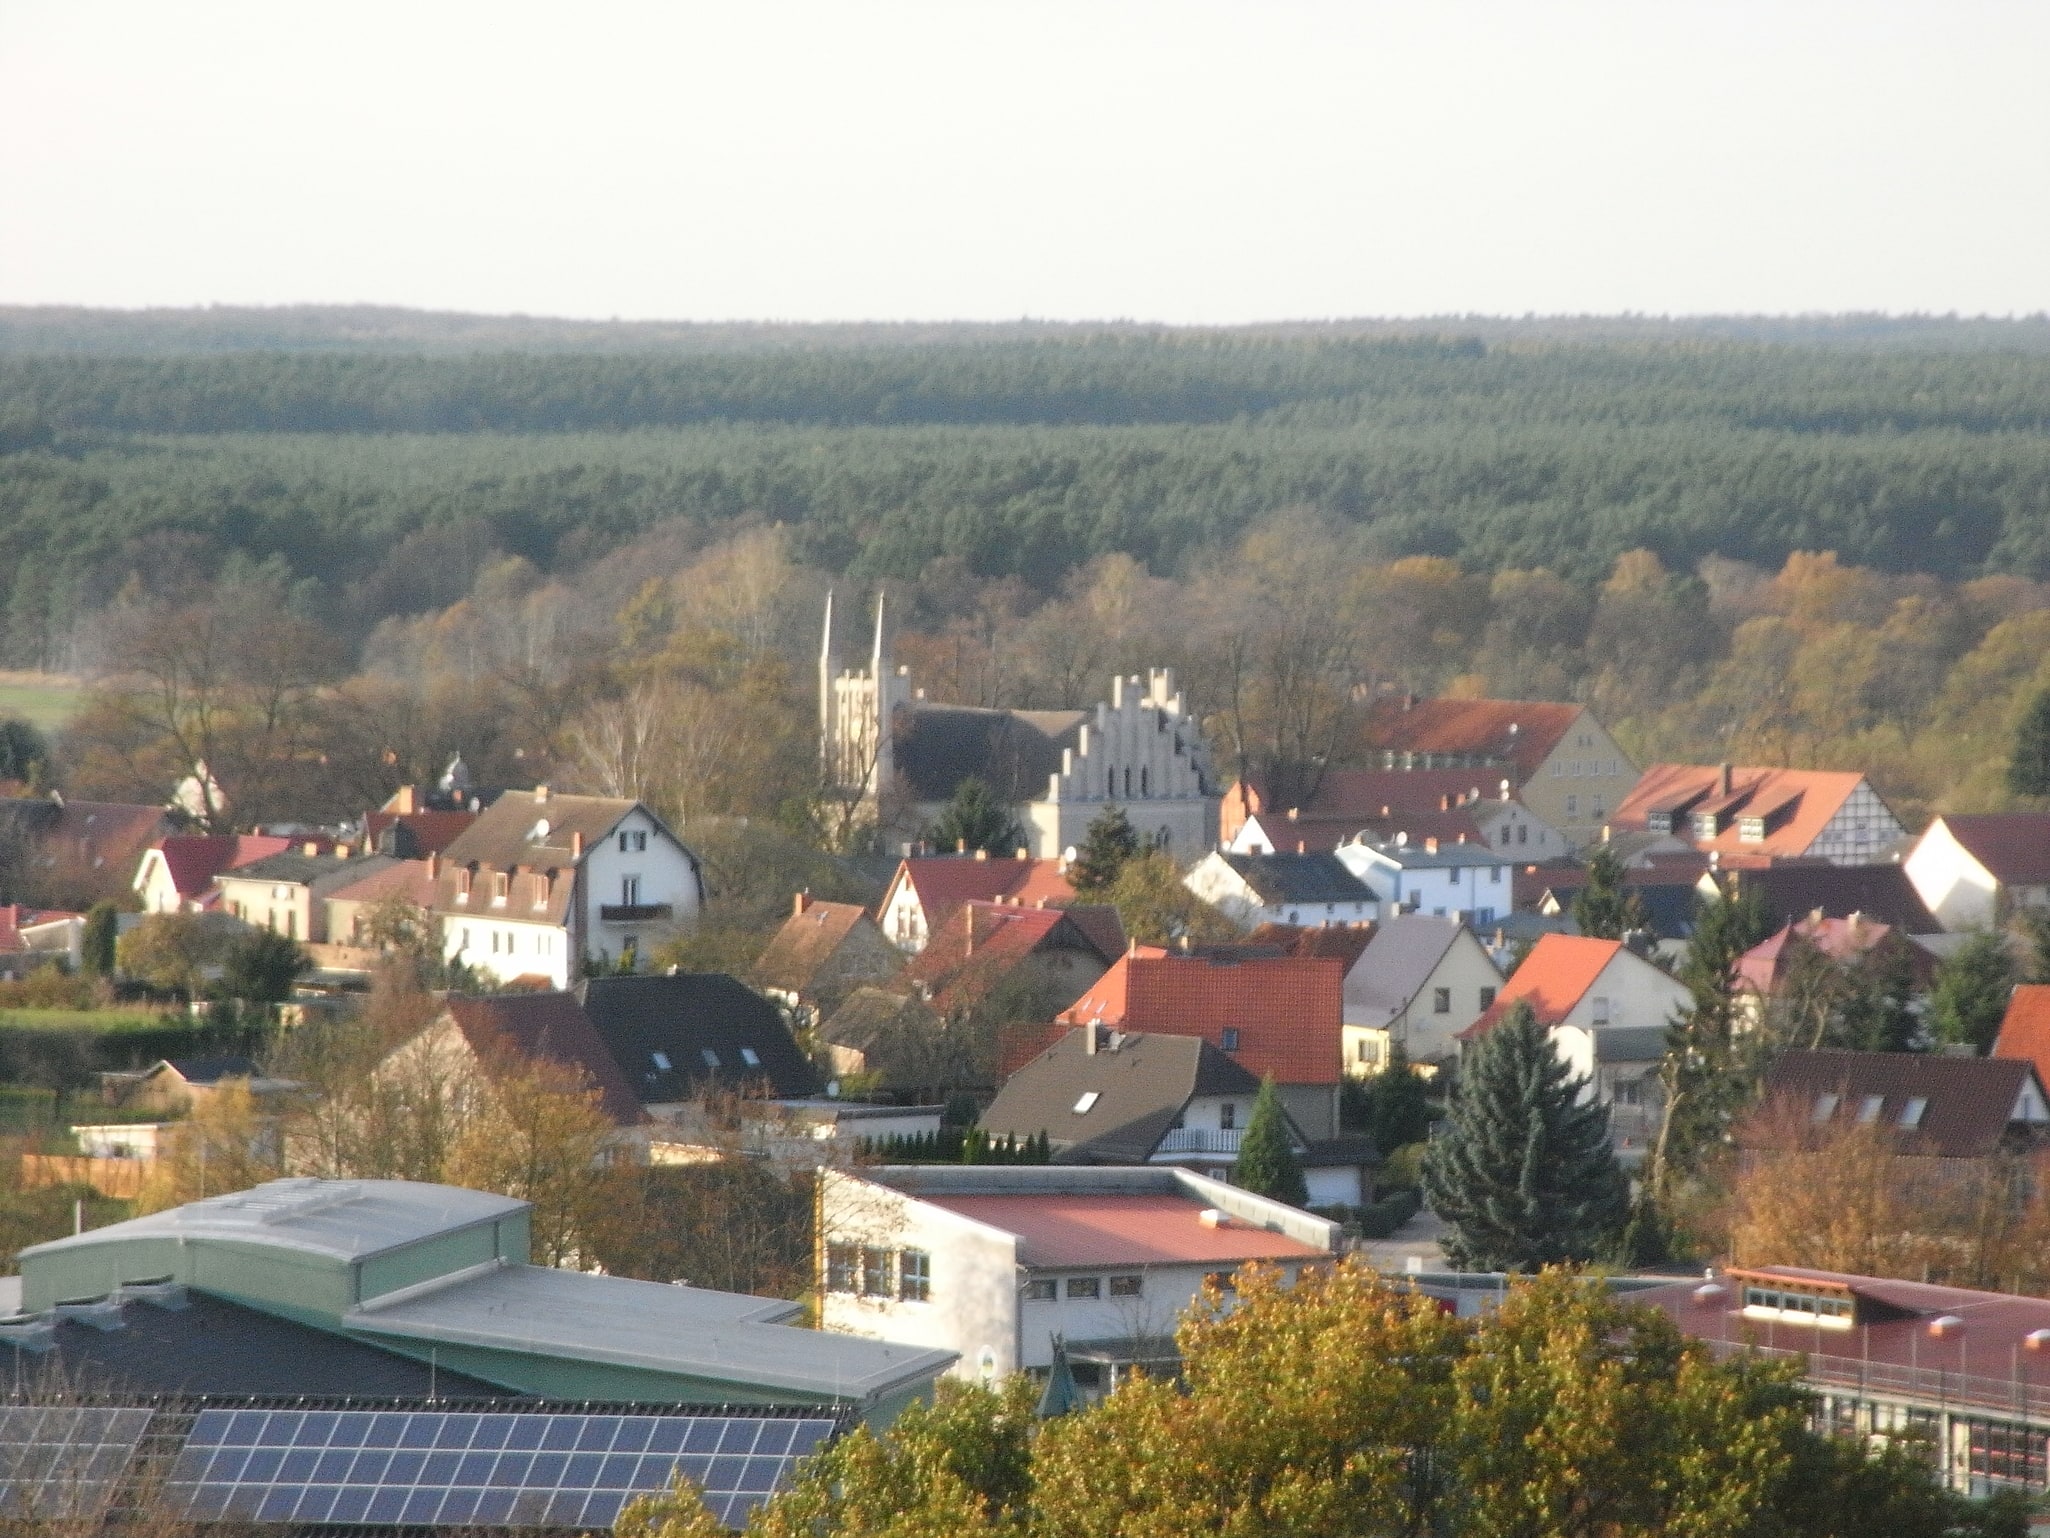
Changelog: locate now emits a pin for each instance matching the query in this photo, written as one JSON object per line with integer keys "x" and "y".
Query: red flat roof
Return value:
{"x": 1079, "y": 1230}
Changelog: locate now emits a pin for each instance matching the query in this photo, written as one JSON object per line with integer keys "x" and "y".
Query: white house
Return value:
{"x": 1434, "y": 877}
{"x": 1419, "y": 982}
{"x": 996, "y": 1260}
{"x": 540, "y": 883}
{"x": 1309, "y": 890}
{"x": 1503, "y": 822}
{"x": 1971, "y": 870}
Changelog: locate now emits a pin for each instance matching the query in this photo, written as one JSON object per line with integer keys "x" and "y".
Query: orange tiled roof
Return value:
{"x": 944, "y": 882}
{"x": 1286, "y": 1010}
{"x": 2025, "y": 1029}
{"x": 1552, "y": 979}
{"x": 1798, "y": 802}
{"x": 1480, "y": 728}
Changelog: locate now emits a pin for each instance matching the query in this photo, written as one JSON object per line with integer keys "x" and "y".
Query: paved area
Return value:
{"x": 1417, "y": 1238}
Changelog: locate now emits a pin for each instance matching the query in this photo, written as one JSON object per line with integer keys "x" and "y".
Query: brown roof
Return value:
{"x": 1969, "y": 1102}
{"x": 2013, "y": 846}
{"x": 1100, "y": 922}
{"x": 1518, "y": 732}
{"x": 509, "y": 837}
{"x": 95, "y": 835}
{"x": 1342, "y": 942}
{"x": 805, "y": 943}
{"x": 1794, "y": 890}
{"x": 981, "y": 942}
{"x": 1140, "y": 1082}
{"x": 545, "y": 1027}
{"x": 409, "y": 879}
{"x": 432, "y": 832}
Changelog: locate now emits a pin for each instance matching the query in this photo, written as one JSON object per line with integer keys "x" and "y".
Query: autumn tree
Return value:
{"x": 1157, "y": 909}
{"x": 1524, "y": 1174}
{"x": 2028, "y": 762}
{"x": 230, "y": 1142}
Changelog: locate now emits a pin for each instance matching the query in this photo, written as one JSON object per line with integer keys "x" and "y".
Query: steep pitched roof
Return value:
{"x": 1298, "y": 878}
{"x": 935, "y": 747}
{"x": 1796, "y": 890}
{"x": 806, "y": 942}
{"x": 425, "y": 832}
{"x": 193, "y": 860}
{"x": 1100, "y": 922}
{"x": 1763, "y": 968}
{"x": 1553, "y": 978}
{"x": 382, "y": 877}
{"x": 980, "y": 943}
{"x": 1968, "y": 1102}
{"x": 98, "y": 834}
{"x": 1400, "y": 959}
{"x": 544, "y": 1027}
{"x": 1287, "y": 1011}
{"x": 943, "y": 882}
{"x": 1139, "y": 1084}
{"x": 2025, "y": 1028}
{"x": 1519, "y": 732}
{"x": 1344, "y": 943}
{"x": 675, "y": 1035}
{"x": 2013, "y": 846}
{"x": 1797, "y": 805}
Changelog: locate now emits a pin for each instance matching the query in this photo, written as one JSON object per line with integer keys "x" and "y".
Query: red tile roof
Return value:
{"x": 14, "y": 918}
{"x": 981, "y": 942}
{"x": 944, "y": 882}
{"x": 2025, "y": 1029}
{"x": 1287, "y": 1011}
{"x": 545, "y": 1027}
{"x": 1762, "y": 968}
{"x": 1797, "y": 802}
{"x": 1552, "y": 979}
{"x": 1120, "y": 1230}
{"x": 2013, "y": 846}
{"x": 1522, "y": 732}
{"x": 432, "y": 832}
{"x": 193, "y": 860}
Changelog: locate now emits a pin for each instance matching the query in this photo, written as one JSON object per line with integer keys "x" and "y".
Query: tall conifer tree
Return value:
{"x": 1267, "y": 1165}
{"x": 1524, "y": 1174}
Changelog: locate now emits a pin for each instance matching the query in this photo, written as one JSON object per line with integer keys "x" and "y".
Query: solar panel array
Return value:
{"x": 64, "y": 1461}
{"x": 419, "y": 1468}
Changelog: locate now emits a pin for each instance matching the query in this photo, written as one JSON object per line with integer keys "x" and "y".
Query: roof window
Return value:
{"x": 711, "y": 1058}
{"x": 661, "y": 1061}
{"x": 750, "y": 1057}
{"x": 1231, "y": 1038}
{"x": 1911, "y": 1113}
{"x": 1089, "y": 1099}
{"x": 1825, "y": 1107}
{"x": 1868, "y": 1109}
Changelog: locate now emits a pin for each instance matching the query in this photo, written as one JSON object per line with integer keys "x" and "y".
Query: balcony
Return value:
{"x": 632, "y": 913}
{"x": 1205, "y": 1140}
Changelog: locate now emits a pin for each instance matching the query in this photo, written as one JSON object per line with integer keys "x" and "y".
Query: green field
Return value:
{"x": 106, "y": 1021}
{"x": 46, "y": 701}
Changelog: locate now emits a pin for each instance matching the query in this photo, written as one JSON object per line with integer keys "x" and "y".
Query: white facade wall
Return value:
{"x": 903, "y": 918}
{"x": 1628, "y": 991}
{"x": 637, "y": 850}
{"x": 1482, "y": 886}
{"x": 1213, "y": 880}
{"x": 504, "y": 949}
{"x": 1863, "y": 831}
{"x": 1951, "y": 882}
{"x": 1143, "y": 753}
{"x": 153, "y": 881}
{"x": 1469, "y": 980}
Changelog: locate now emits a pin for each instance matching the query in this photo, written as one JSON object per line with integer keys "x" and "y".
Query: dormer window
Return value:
{"x": 1230, "y": 1036}
{"x": 462, "y": 886}
{"x": 544, "y": 886}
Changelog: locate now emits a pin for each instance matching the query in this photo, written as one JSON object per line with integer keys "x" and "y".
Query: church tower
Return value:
{"x": 856, "y": 711}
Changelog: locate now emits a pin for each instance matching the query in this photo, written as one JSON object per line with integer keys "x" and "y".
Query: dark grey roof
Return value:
{"x": 686, "y": 1016}
{"x": 1399, "y": 960}
{"x": 936, "y": 747}
{"x": 1141, "y": 1083}
{"x": 303, "y": 869}
{"x": 1299, "y": 878}
{"x": 212, "y": 1346}
{"x": 211, "y": 1070}
{"x": 1881, "y": 892}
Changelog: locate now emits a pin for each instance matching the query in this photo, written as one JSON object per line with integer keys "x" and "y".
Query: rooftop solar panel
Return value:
{"x": 64, "y": 1461}
{"x": 461, "y": 1469}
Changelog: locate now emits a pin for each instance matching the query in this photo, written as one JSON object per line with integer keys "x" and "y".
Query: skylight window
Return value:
{"x": 661, "y": 1060}
{"x": 749, "y": 1056}
{"x": 1911, "y": 1113}
{"x": 1825, "y": 1107}
{"x": 1089, "y": 1098}
{"x": 1868, "y": 1109}
{"x": 711, "y": 1058}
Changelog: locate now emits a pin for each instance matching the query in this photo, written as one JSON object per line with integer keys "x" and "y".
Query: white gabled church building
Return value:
{"x": 902, "y": 756}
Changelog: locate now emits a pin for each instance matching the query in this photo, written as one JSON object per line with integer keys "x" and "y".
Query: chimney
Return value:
{"x": 1384, "y": 810}
{"x": 968, "y": 916}
{"x": 1295, "y": 814}
{"x": 1089, "y": 1039}
{"x": 980, "y": 854}
{"x": 576, "y": 844}
{"x": 1462, "y": 838}
{"x": 1024, "y": 854}
{"x": 1605, "y": 833}
{"x": 1431, "y": 845}
{"x": 1409, "y": 702}
{"x": 1445, "y": 802}
{"x": 540, "y": 795}
{"x": 312, "y": 847}
{"x": 802, "y": 902}
{"x": 1301, "y": 847}
{"x": 403, "y": 803}
{"x": 1505, "y": 791}
{"x": 433, "y": 866}
{"x": 1723, "y": 777}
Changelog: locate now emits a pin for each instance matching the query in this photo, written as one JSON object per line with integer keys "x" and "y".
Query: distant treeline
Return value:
{"x": 1014, "y": 457}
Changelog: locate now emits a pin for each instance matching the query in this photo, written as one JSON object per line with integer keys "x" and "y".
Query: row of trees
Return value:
{"x": 1343, "y": 1407}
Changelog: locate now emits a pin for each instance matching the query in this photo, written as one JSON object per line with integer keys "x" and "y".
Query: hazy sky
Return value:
{"x": 858, "y": 159}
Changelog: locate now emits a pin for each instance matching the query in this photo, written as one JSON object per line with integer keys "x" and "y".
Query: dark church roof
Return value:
{"x": 936, "y": 747}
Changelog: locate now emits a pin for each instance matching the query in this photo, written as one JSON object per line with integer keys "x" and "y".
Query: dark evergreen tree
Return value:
{"x": 1524, "y": 1174}
{"x": 2028, "y": 765}
{"x": 24, "y": 752}
{"x": 1267, "y": 1164}
{"x": 96, "y": 944}
{"x": 974, "y": 820}
{"x": 261, "y": 967}
{"x": 1398, "y": 1107}
{"x": 1603, "y": 910}
{"x": 1971, "y": 992}
{"x": 1110, "y": 842}
{"x": 1705, "y": 1079}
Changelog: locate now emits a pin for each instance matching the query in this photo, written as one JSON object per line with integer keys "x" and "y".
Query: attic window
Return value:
{"x": 711, "y": 1058}
{"x": 1868, "y": 1109}
{"x": 1911, "y": 1113}
{"x": 1089, "y": 1098}
{"x": 661, "y": 1061}
{"x": 1825, "y": 1107}
{"x": 750, "y": 1057}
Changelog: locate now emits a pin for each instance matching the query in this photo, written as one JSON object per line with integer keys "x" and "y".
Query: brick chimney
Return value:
{"x": 433, "y": 866}
{"x": 576, "y": 844}
{"x": 540, "y": 795}
{"x": 1295, "y": 814}
{"x": 403, "y": 803}
{"x": 1723, "y": 777}
{"x": 1431, "y": 845}
{"x": 803, "y": 902}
